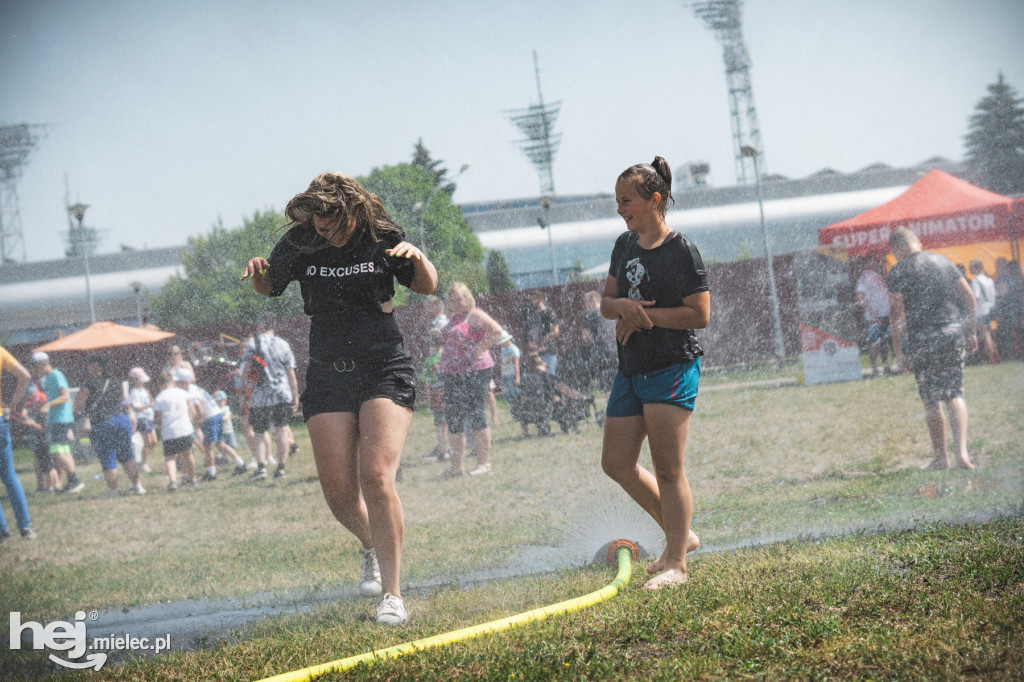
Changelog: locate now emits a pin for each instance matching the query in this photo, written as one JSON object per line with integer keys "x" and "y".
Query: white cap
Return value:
{"x": 505, "y": 336}
{"x": 183, "y": 374}
{"x": 139, "y": 374}
{"x": 39, "y": 357}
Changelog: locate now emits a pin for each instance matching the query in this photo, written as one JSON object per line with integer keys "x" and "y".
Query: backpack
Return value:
{"x": 258, "y": 365}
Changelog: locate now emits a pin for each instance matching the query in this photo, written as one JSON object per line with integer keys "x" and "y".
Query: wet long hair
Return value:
{"x": 337, "y": 197}
{"x": 649, "y": 178}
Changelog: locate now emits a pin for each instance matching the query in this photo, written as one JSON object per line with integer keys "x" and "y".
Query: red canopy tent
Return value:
{"x": 949, "y": 215}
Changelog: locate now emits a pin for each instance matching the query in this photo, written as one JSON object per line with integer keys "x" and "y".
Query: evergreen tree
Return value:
{"x": 499, "y": 275}
{"x": 995, "y": 140}
{"x": 421, "y": 157}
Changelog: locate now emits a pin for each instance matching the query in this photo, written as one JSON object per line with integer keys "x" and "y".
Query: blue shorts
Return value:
{"x": 112, "y": 441}
{"x": 144, "y": 425}
{"x": 212, "y": 428}
{"x": 878, "y": 330}
{"x": 675, "y": 385}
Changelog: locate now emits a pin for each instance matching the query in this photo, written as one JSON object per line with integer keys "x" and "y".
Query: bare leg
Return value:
{"x": 383, "y": 426}
{"x": 442, "y": 440}
{"x": 334, "y": 437}
{"x": 482, "y": 442}
{"x": 187, "y": 463}
{"x": 63, "y": 462}
{"x": 133, "y": 471}
{"x": 458, "y": 443}
{"x": 620, "y": 453}
{"x": 171, "y": 469}
{"x": 208, "y": 457}
{"x": 283, "y": 436}
{"x": 110, "y": 475}
{"x": 148, "y": 443}
{"x": 937, "y": 432}
{"x": 492, "y": 404}
{"x": 957, "y": 410}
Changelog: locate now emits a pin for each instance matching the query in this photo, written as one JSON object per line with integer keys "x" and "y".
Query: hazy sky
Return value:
{"x": 166, "y": 116}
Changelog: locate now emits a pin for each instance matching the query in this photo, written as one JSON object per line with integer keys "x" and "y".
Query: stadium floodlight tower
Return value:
{"x": 723, "y": 17}
{"x": 16, "y": 142}
{"x": 537, "y": 122}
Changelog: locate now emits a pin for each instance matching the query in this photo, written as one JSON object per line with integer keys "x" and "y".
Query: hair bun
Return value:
{"x": 663, "y": 169}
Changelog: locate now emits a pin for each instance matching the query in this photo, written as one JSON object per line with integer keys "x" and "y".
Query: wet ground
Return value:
{"x": 193, "y": 625}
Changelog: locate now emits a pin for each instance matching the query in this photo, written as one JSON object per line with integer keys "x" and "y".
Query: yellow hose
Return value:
{"x": 624, "y": 555}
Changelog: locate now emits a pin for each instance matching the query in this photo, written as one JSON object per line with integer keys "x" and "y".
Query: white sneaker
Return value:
{"x": 369, "y": 583}
{"x": 391, "y": 610}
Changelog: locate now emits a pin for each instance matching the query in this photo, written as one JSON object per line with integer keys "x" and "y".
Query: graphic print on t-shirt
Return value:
{"x": 635, "y": 274}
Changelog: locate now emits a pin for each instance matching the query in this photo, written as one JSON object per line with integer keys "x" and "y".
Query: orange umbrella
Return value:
{"x": 105, "y": 335}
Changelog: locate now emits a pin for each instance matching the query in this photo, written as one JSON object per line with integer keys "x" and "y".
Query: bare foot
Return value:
{"x": 936, "y": 464}
{"x": 964, "y": 463}
{"x": 694, "y": 542}
{"x": 658, "y": 565}
{"x": 669, "y": 578}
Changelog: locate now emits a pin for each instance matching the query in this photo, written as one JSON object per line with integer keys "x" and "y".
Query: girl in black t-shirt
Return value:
{"x": 346, "y": 252}
{"x": 657, "y": 292}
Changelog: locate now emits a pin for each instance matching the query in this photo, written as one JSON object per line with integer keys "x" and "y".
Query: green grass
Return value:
{"x": 764, "y": 463}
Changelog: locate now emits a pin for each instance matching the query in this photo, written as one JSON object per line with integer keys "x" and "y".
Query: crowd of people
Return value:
{"x": 637, "y": 346}
{"x": 999, "y": 312}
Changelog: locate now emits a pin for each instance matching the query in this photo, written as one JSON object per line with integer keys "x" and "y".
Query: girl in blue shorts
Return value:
{"x": 657, "y": 291}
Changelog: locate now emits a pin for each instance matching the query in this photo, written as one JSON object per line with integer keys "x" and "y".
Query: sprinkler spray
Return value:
{"x": 621, "y": 552}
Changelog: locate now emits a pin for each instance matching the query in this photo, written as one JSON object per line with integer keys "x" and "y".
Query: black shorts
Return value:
{"x": 344, "y": 384}
{"x": 176, "y": 446}
{"x": 465, "y": 399}
{"x": 262, "y": 419}
{"x": 939, "y": 369}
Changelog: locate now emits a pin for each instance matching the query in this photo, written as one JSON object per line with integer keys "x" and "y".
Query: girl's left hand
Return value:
{"x": 405, "y": 250}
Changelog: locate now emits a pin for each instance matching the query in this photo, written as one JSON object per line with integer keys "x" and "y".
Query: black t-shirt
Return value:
{"x": 927, "y": 282}
{"x": 104, "y": 399}
{"x": 666, "y": 275}
{"x": 537, "y": 324}
{"x": 342, "y": 288}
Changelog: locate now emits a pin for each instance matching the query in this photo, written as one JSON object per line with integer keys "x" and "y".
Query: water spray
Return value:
{"x": 620, "y": 552}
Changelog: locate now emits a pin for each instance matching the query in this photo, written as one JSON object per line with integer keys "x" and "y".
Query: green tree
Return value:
{"x": 499, "y": 275}
{"x": 212, "y": 289}
{"x": 415, "y": 202}
{"x": 421, "y": 157}
{"x": 995, "y": 140}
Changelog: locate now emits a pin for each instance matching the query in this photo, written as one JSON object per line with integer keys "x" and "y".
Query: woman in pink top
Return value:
{"x": 466, "y": 369}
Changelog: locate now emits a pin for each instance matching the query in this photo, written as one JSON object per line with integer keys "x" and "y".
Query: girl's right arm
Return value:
{"x": 631, "y": 315}
{"x": 258, "y": 272}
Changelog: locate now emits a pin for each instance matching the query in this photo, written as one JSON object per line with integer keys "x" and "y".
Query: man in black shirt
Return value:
{"x": 933, "y": 303}
{"x": 540, "y": 327}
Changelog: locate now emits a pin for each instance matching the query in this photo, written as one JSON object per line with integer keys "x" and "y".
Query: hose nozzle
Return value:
{"x": 615, "y": 545}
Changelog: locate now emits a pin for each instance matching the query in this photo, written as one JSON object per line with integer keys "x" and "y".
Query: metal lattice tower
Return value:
{"x": 723, "y": 17}
{"x": 16, "y": 142}
{"x": 537, "y": 122}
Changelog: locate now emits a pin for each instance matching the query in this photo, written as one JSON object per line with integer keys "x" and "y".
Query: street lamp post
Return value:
{"x": 421, "y": 206}
{"x": 780, "y": 348}
{"x": 78, "y": 211}
{"x": 137, "y": 288}
{"x": 545, "y": 224}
